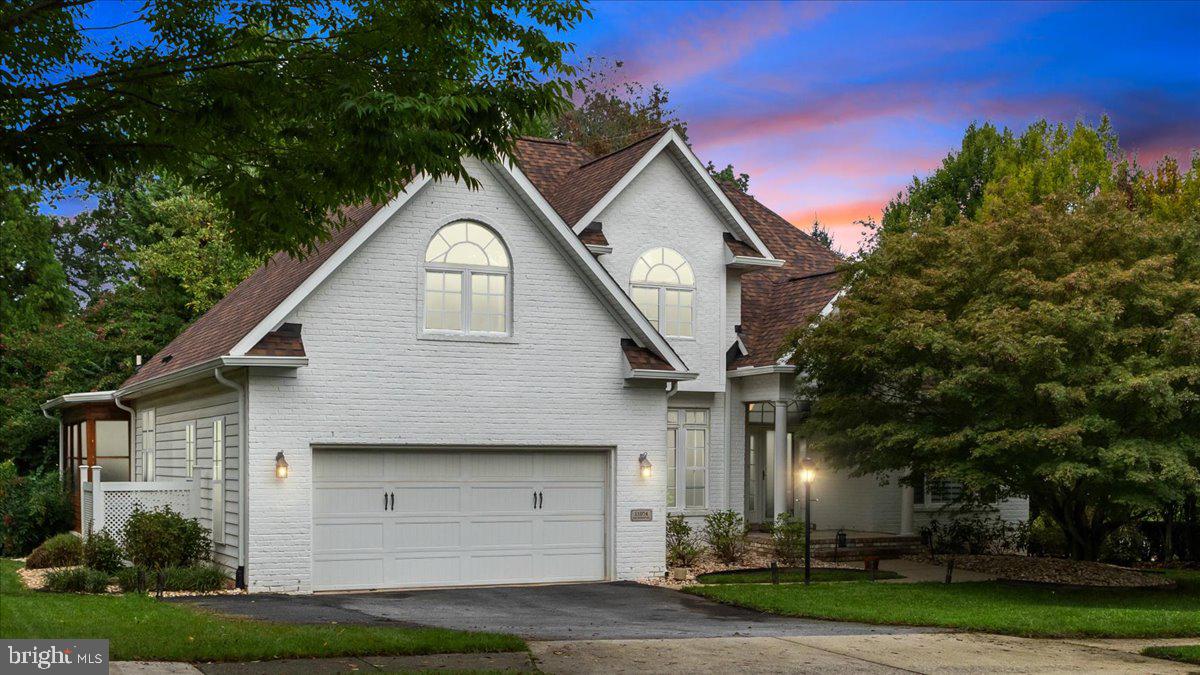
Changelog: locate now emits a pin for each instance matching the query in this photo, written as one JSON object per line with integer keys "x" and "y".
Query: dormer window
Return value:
{"x": 663, "y": 287}
{"x": 467, "y": 274}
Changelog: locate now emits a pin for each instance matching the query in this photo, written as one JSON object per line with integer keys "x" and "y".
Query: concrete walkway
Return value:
{"x": 933, "y": 653}
{"x": 915, "y": 571}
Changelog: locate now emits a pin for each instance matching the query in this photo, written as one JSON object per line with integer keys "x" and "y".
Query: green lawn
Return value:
{"x": 1187, "y": 653}
{"x": 990, "y": 607}
{"x": 141, "y": 628}
{"x": 789, "y": 575}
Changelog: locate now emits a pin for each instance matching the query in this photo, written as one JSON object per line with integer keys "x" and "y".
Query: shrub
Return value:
{"x": 725, "y": 534}
{"x": 32, "y": 509}
{"x": 160, "y": 539}
{"x": 1125, "y": 546}
{"x": 101, "y": 552}
{"x": 77, "y": 580}
{"x": 788, "y": 536}
{"x": 682, "y": 550}
{"x": 974, "y": 535}
{"x": 61, "y": 550}
{"x": 196, "y": 578}
{"x": 1046, "y": 538}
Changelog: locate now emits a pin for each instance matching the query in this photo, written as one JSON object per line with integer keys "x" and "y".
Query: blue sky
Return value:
{"x": 833, "y": 107}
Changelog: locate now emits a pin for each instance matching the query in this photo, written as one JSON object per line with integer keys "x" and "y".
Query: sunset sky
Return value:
{"x": 832, "y": 108}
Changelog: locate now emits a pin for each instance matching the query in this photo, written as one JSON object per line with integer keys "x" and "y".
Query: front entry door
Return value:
{"x": 757, "y": 467}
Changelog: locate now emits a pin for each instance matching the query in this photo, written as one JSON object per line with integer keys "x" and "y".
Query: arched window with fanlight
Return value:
{"x": 467, "y": 281}
{"x": 663, "y": 287}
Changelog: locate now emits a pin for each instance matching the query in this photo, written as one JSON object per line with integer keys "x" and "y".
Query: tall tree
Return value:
{"x": 821, "y": 234}
{"x": 278, "y": 111}
{"x": 32, "y": 282}
{"x": 1032, "y": 330}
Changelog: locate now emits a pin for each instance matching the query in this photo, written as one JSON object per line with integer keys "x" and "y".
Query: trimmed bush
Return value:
{"x": 160, "y": 539}
{"x": 32, "y": 509}
{"x": 77, "y": 580}
{"x": 787, "y": 534}
{"x": 975, "y": 535}
{"x": 102, "y": 552}
{"x": 61, "y": 550}
{"x": 682, "y": 549}
{"x": 197, "y": 579}
{"x": 725, "y": 534}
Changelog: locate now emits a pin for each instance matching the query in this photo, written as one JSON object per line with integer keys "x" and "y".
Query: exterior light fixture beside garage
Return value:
{"x": 647, "y": 469}
{"x": 281, "y": 466}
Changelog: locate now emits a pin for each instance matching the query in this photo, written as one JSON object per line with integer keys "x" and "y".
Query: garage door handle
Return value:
{"x": 535, "y": 499}
{"x": 541, "y": 499}
{"x": 393, "y": 507}
{"x": 385, "y": 501}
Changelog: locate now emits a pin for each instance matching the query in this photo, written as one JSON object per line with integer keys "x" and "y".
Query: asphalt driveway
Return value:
{"x": 600, "y": 611}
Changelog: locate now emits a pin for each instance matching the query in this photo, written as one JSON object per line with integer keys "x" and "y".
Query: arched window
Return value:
{"x": 663, "y": 287}
{"x": 467, "y": 281}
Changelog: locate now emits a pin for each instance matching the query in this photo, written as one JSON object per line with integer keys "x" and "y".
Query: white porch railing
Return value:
{"x": 106, "y": 506}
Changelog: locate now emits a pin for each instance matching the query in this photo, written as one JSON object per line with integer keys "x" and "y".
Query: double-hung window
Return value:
{"x": 218, "y": 481}
{"x": 687, "y": 458}
{"x": 663, "y": 286}
{"x": 936, "y": 492}
{"x": 148, "y": 444}
{"x": 468, "y": 285}
{"x": 189, "y": 448}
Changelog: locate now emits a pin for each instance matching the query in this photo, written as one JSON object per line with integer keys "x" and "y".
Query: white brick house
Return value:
{"x": 510, "y": 384}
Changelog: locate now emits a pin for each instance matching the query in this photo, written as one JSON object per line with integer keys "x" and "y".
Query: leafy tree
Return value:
{"x": 1043, "y": 339}
{"x": 278, "y": 111}
{"x": 32, "y": 282}
{"x": 821, "y": 234}
{"x": 729, "y": 175}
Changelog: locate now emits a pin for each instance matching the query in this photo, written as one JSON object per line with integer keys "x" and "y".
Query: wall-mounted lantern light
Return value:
{"x": 647, "y": 469}
{"x": 281, "y": 466}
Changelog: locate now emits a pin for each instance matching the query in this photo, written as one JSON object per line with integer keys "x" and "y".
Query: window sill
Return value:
{"x": 466, "y": 337}
{"x": 693, "y": 511}
{"x": 934, "y": 508}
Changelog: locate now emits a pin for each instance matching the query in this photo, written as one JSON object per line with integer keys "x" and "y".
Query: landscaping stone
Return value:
{"x": 1052, "y": 571}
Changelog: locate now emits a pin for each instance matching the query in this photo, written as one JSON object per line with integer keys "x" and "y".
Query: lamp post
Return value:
{"x": 808, "y": 471}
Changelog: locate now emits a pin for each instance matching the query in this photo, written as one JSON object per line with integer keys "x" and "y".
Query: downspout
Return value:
{"x": 243, "y": 473}
{"x": 116, "y": 397}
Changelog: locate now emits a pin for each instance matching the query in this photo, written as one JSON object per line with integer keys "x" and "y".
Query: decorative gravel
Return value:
{"x": 1054, "y": 571}
{"x": 753, "y": 560}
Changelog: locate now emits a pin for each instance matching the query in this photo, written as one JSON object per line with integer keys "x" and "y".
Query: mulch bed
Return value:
{"x": 35, "y": 580}
{"x": 752, "y": 560}
{"x": 1054, "y": 571}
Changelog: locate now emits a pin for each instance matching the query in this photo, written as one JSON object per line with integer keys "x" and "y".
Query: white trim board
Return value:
{"x": 671, "y": 139}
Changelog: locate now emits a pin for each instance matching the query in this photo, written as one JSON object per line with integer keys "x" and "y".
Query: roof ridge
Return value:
{"x": 643, "y": 139}
{"x": 542, "y": 139}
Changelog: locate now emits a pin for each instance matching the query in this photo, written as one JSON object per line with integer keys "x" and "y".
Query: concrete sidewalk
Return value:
{"x": 906, "y": 653}
{"x": 915, "y": 571}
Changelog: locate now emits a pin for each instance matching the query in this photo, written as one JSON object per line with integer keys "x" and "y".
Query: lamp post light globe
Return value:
{"x": 807, "y": 474}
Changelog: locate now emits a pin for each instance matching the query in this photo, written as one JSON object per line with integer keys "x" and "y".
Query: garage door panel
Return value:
{"x": 588, "y": 466}
{"x": 428, "y": 570}
{"x": 351, "y": 465}
{"x": 412, "y": 500}
{"x": 423, "y": 466}
{"x": 500, "y": 499}
{"x": 348, "y": 536}
{"x": 429, "y": 535}
{"x": 348, "y": 574}
{"x": 348, "y": 499}
{"x": 499, "y": 568}
{"x": 500, "y": 534}
{"x": 573, "y": 565}
{"x": 572, "y": 531}
{"x": 573, "y": 499}
{"x": 504, "y": 465}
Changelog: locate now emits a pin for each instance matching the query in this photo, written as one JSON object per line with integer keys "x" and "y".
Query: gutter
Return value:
{"x": 203, "y": 368}
{"x": 243, "y": 471}
{"x": 670, "y": 375}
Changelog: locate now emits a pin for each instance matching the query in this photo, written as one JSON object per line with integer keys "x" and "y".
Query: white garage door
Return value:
{"x": 396, "y": 519}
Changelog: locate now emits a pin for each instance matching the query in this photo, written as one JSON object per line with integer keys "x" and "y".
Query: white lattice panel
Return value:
{"x": 120, "y": 504}
{"x": 85, "y": 509}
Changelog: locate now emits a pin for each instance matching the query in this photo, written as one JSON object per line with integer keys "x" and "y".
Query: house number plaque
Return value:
{"x": 641, "y": 515}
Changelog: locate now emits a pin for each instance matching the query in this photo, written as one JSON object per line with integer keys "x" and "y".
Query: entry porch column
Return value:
{"x": 781, "y": 472}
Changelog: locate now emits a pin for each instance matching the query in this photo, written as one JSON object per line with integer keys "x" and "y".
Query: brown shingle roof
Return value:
{"x": 640, "y": 358}
{"x": 778, "y": 300}
{"x": 739, "y": 248}
{"x": 223, "y": 326}
{"x": 593, "y": 235}
{"x": 282, "y": 342}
